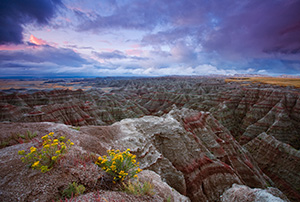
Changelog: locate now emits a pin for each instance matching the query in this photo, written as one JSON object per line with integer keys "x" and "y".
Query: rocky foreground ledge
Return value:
{"x": 188, "y": 155}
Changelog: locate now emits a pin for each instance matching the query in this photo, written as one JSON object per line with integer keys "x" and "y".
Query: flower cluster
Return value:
{"x": 43, "y": 158}
{"x": 120, "y": 165}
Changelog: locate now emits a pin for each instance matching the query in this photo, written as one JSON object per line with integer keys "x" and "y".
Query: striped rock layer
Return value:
{"x": 279, "y": 161}
{"x": 189, "y": 149}
{"x": 246, "y": 111}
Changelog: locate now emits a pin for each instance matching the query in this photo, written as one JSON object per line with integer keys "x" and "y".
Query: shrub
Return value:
{"x": 137, "y": 188}
{"x": 28, "y": 136}
{"x": 76, "y": 128}
{"x": 73, "y": 190}
{"x": 120, "y": 165}
{"x": 45, "y": 156}
{"x": 17, "y": 139}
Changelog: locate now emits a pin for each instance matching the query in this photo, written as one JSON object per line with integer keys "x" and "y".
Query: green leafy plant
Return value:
{"x": 45, "y": 156}
{"x": 169, "y": 199}
{"x": 4, "y": 144}
{"x": 138, "y": 188}
{"x": 120, "y": 165}
{"x": 73, "y": 190}
{"x": 29, "y": 135}
{"x": 17, "y": 139}
{"x": 76, "y": 128}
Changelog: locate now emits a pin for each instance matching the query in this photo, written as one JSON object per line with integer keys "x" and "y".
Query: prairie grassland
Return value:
{"x": 268, "y": 80}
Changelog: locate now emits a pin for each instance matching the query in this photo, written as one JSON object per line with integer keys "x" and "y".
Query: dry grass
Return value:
{"x": 268, "y": 80}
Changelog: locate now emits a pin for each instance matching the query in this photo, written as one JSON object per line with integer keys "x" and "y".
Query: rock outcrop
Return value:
{"x": 279, "y": 161}
{"x": 189, "y": 149}
{"x": 246, "y": 111}
{"x": 20, "y": 183}
{"x": 195, "y": 152}
{"x": 239, "y": 193}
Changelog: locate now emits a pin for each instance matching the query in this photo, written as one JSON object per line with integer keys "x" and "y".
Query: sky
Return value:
{"x": 82, "y": 38}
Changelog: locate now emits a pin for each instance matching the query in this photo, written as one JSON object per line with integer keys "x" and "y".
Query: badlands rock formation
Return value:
{"x": 279, "y": 161}
{"x": 190, "y": 150}
{"x": 20, "y": 183}
{"x": 245, "y": 110}
{"x": 239, "y": 193}
{"x": 190, "y": 134}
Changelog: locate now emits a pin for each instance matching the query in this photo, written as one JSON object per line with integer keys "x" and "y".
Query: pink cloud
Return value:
{"x": 41, "y": 42}
{"x": 12, "y": 47}
{"x": 37, "y": 41}
{"x": 107, "y": 49}
{"x": 104, "y": 41}
{"x": 135, "y": 46}
{"x": 134, "y": 52}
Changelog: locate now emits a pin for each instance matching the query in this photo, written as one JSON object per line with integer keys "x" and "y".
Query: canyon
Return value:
{"x": 206, "y": 138}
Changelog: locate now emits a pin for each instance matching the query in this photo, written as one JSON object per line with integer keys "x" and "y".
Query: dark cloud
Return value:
{"x": 43, "y": 54}
{"x": 247, "y": 28}
{"x": 146, "y": 15}
{"x": 166, "y": 37}
{"x": 247, "y": 35}
{"x": 256, "y": 27}
{"x": 80, "y": 47}
{"x": 133, "y": 15}
{"x": 110, "y": 55}
{"x": 275, "y": 66}
{"x": 16, "y": 13}
{"x": 116, "y": 54}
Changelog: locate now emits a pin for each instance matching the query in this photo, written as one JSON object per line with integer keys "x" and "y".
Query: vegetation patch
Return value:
{"x": 47, "y": 154}
{"x": 138, "y": 188}
{"x": 17, "y": 139}
{"x": 73, "y": 190}
{"x": 119, "y": 165}
{"x": 268, "y": 80}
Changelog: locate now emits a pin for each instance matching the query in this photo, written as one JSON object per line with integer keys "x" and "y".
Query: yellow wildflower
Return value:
{"x": 113, "y": 167}
{"x": 58, "y": 152}
{"x": 54, "y": 144}
{"x": 22, "y": 152}
{"x": 32, "y": 149}
{"x": 71, "y": 144}
{"x": 44, "y": 169}
{"x": 135, "y": 176}
{"x": 46, "y": 146}
{"x": 35, "y": 164}
{"x": 55, "y": 141}
{"x": 45, "y": 137}
{"x": 51, "y": 134}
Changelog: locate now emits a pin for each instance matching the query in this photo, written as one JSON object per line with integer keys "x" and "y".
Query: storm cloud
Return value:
{"x": 152, "y": 37}
{"x": 16, "y": 13}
